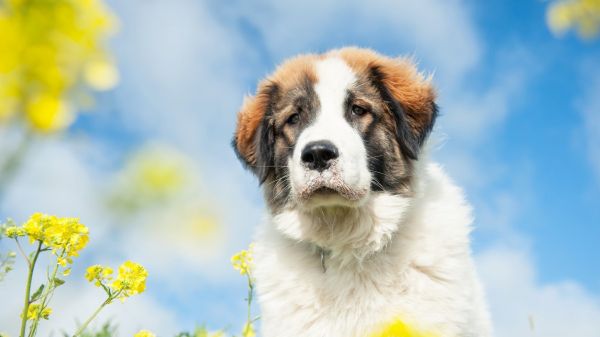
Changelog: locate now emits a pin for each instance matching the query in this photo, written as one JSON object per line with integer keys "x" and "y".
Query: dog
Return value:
{"x": 361, "y": 228}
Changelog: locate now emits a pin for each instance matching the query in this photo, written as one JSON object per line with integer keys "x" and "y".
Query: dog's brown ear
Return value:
{"x": 254, "y": 139}
{"x": 407, "y": 93}
{"x": 410, "y": 97}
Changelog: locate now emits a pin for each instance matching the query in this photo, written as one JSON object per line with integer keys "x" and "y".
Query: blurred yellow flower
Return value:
{"x": 131, "y": 279}
{"x": 400, "y": 329}
{"x": 248, "y": 330}
{"x": 154, "y": 174}
{"x": 242, "y": 261}
{"x": 51, "y": 50}
{"x": 101, "y": 74}
{"x": 14, "y": 231}
{"x": 581, "y": 15}
{"x": 35, "y": 311}
{"x": 48, "y": 113}
{"x": 144, "y": 333}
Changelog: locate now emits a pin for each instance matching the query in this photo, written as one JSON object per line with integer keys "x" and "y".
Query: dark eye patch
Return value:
{"x": 293, "y": 119}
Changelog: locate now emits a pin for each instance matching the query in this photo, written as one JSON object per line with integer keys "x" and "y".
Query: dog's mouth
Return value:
{"x": 331, "y": 189}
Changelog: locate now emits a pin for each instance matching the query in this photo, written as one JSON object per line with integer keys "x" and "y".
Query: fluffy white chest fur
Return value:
{"x": 418, "y": 270}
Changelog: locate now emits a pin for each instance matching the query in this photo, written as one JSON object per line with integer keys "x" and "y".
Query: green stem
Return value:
{"x": 28, "y": 290}
{"x": 91, "y": 318}
{"x": 111, "y": 297}
{"x": 45, "y": 295}
{"x": 23, "y": 252}
{"x": 250, "y": 293}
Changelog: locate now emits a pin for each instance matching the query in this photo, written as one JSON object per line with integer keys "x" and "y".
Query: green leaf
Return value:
{"x": 36, "y": 295}
{"x": 58, "y": 282}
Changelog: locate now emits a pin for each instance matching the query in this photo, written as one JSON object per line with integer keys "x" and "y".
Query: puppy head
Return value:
{"x": 334, "y": 131}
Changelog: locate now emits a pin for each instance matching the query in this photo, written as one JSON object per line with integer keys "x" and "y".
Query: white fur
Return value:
{"x": 334, "y": 78}
{"x": 388, "y": 257}
{"x": 419, "y": 269}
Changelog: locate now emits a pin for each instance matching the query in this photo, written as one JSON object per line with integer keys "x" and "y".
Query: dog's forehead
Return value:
{"x": 334, "y": 77}
{"x": 322, "y": 72}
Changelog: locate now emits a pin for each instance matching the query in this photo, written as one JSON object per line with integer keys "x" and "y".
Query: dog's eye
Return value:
{"x": 358, "y": 110}
{"x": 293, "y": 119}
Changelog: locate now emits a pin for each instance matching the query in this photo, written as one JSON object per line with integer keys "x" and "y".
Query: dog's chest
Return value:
{"x": 298, "y": 298}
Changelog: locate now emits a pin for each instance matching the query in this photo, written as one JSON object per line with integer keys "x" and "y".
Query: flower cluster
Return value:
{"x": 35, "y": 311}
{"x": 582, "y": 15}
{"x": 98, "y": 274}
{"x": 66, "y": 237}
{"x": 131, "y": 279}
{"x": 144, "y": 333}
{"x": 398, "y": 328}
{"x": 242, "y": 261}
{"x": 248, "y": 330}
{"x": 53, "y": 52}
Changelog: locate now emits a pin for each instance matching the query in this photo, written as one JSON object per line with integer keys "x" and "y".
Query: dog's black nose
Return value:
{"x": 318, "y": 155}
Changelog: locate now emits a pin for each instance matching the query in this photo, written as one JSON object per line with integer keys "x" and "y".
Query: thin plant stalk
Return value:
{"x": 45, "y": 297}
{"x": 31, "y": 267}
{"x": 250, "y": 294}
{"x": 85, "y": 324}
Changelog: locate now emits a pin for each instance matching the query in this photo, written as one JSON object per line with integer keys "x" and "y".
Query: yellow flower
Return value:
{"x": 14, "y": 231}
{"x": 49, "y": 113}
{"x": 400, "y": 329}
{"x": 35, "y": 311}
{"x": 68, "y": 235}
{"x": 248, "y": 330}
{"x": 131, "y": 279}
{"x": 51, "y": 50}
{"x": 98, "y": 274}
{"x": 34, "y": 227}
{"x": 242, "y": 261}
{"x": 101, "y": 75}
{"x": 144, "y": 333}
{"x": 582, "y": 15}
{"x": 65, "y": 236}
{"x": 203, "y": 332}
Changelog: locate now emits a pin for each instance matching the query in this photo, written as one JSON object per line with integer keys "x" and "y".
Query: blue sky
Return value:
{"x": 519, "y": 130}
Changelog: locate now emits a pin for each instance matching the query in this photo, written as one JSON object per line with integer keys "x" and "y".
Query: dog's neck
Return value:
{"x": 345, "y": 236}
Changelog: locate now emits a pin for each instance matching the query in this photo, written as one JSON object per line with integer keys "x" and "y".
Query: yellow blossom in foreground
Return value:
{"x": 400, "y": 329}
{"x": 51, "y": 51}
{"x": 248, "y": 330}
{"x": 131, "y": 279}
{"x": 242, "y": 261}
{"x": 35, "y": 311}
{"x": 144, "y": 333}
{"x": 48, "y": 113}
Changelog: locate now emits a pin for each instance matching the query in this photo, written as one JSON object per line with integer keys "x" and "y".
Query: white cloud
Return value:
{"x": 179, "y": 73}
{"x": 439, "y": 32}
{"x": 516, "y": 295}
{"x": 521, "y": 304}
{"x": 56, "y": 177}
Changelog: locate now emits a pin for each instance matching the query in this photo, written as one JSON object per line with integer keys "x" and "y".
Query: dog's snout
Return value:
{"x": 318, "y": 155}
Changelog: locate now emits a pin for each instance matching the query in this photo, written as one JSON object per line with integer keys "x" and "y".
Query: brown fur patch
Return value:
{"x": 286, "y": 77}
{"x": 405, "y": 83}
